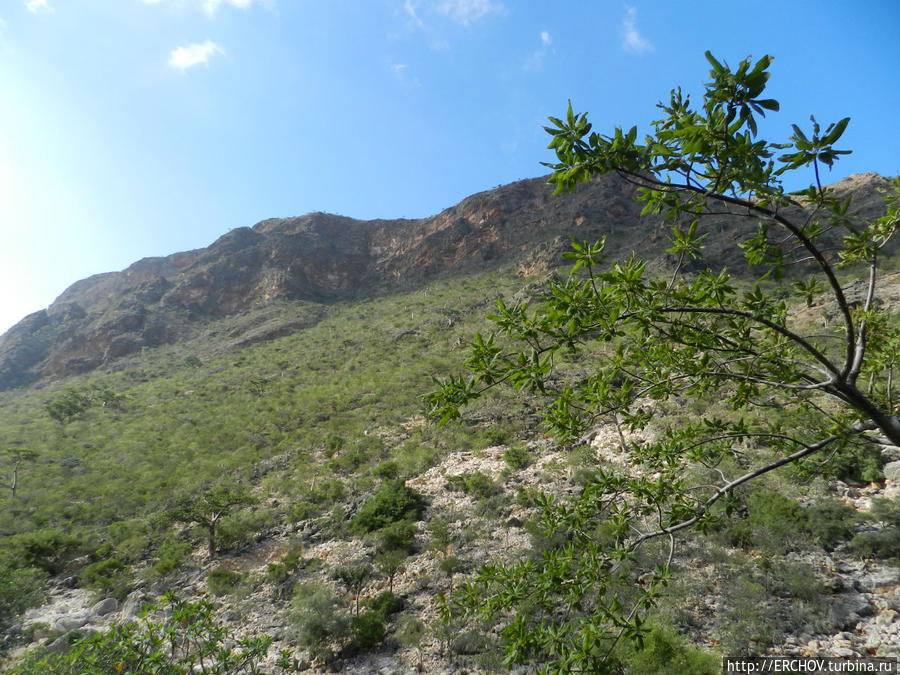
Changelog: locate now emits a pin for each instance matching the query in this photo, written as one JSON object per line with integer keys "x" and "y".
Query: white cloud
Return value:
{"x": 210, "y": 6}
{"x": 536, "y": 60}
{"x": 35, "y": 6}
{"x": 632, "y": 40}
{"x": 469, "y": 11}
{"x": 194, "y": 55}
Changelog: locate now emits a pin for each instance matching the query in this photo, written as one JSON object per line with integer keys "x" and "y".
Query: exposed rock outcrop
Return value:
{"x": 321, "y": 257}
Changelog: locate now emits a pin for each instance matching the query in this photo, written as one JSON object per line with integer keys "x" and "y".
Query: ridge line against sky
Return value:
{"x": 135, "y": 128}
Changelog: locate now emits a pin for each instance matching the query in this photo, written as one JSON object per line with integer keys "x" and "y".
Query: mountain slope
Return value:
{"x": 323, "y": 258}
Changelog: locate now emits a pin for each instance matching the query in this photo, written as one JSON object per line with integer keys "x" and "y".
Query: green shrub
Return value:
{"x": 796, "y": 580}
{"x": 393, "y": 502}
{"x": 243, "y": 528}
{"x": 389, "y": 470}
{"x": 384, "y": 604}
{"x": 303, "y": 510}
{"x": 772, "y": 523}
{"x": 664, "y": 652}
{"x": 321, "y": 625}
{"x": 222, "y": 580}
{"x": 830, "y": 522}
{"x": 327, "y": 493}
{"x": 20, "y": 589}
{"x": 517, "y": 457}
{"x": 474, "y": 484}
{"x": 103, "y": 575}
{"x": 399, "y": 536}
{"x": 170, "y": 555}
{"x": 367, "y": 630}
{"x": 884, "y": 544}
{"x": 278, "y": 572}
{"x": 496, "y": 435}
{"x": 859, "y": 463}
{"x": 47, "y": 549}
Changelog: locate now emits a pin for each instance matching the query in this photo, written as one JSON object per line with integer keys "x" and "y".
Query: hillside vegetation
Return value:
{"x": 258, "y": 489}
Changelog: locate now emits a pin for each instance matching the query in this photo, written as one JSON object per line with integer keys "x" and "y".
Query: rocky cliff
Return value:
{"x": 321, "y": 257}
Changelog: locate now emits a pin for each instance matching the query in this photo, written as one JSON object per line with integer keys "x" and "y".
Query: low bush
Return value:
{"x": 105, "y": 576}
{"x": 884, "y": 544}
{"x": 222, "y": 581}
{"x": 303, "y": 510}
{"x": 399, "y": 536}
{"x": 244, "y": 528}
{"x": 517, "y": 457}
{"x": 831, "y": 523}
{"x": 367, "y": 630}
{"x": 392, "y": 503}
{"x": 48, "y": 550}
{"x": 320, "y": 624}
{"x": 385, "y": 604}
{"x": 20, "y": 589}
{"x": 170, "y": 555}
{"x": 772, "y": 523}
{"x": 665, "y": 652}
{"x": 476, "y": 484}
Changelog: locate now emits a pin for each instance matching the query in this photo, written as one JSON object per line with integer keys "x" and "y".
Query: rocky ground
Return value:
{"x": 862, "y": 598}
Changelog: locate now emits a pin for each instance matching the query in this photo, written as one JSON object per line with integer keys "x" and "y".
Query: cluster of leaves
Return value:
{"x": 651, "y": 342}
{"x": 74, "y": 402}
{"x": 394, "y": 502}
{"x": 186, "y": 640}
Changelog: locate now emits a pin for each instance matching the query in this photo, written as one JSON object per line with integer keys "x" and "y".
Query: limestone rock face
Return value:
{"x": 322, "y": 258}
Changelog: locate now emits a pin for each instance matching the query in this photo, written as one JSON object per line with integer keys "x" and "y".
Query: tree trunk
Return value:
{"x": 211, "y": 530}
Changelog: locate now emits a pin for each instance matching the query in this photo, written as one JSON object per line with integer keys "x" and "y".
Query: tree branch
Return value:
{"x": 857, "y": 428}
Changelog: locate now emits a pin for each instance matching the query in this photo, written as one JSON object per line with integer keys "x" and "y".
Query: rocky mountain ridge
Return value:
{"x": 322, "y": 258}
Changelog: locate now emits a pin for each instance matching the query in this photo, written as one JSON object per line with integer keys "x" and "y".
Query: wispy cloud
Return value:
{"x": 536, "y": 60}
{"x": 467, "y": 12}
{"x": 192, "y": 55}
{"x": 632, "y": 40}
{"x": 212, "y": 6}
{"x": 35, "y": 6}
{"x": 409, "y": 8}
{"x": 402, "y": 73}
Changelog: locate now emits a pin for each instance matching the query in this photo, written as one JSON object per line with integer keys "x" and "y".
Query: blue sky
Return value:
{"x": 133, "y": 128}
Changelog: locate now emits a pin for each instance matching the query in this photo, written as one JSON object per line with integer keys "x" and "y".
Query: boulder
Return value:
{"x": 70, "y": 622}
{"x": 105, "y": 606}
{"x": 848, "y": 609}
{"x": 133, "y": 604}
{"x": 891, "y": 471}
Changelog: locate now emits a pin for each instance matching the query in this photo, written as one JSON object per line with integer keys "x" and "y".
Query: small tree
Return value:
{"x": 440, "y": 536}
{"x": 655, "y": 341}
{"x": 16, "y": 457}
{"x": 354, "y": 577}
{"x": 389, "y": 562}
{"x": 209, "y": 509}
